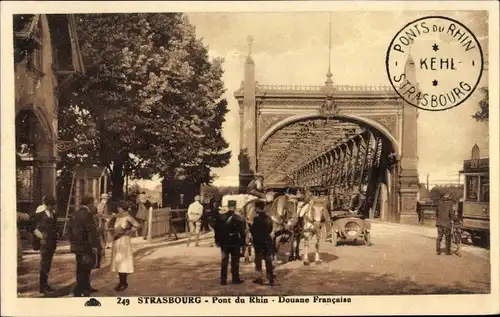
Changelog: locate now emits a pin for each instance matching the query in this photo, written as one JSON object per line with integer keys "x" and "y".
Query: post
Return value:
{"x": 150, "y": 223}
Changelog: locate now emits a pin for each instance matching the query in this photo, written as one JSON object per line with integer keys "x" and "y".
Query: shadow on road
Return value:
{"x": 179, "y": 276}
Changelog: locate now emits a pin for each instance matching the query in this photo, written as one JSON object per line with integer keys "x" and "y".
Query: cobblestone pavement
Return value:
{"x": 400, "y": 261}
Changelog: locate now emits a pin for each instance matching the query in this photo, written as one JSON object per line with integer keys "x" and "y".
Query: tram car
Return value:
{"x": 474, "y": 207}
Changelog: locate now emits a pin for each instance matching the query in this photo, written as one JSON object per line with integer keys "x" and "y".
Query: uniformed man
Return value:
{"x": 256, "y": 186}
{"x": 261, "y": 230}
{"x": 46, "y": 231}
{"x": 230, "y": 237}
{"x": 444, "y": 216}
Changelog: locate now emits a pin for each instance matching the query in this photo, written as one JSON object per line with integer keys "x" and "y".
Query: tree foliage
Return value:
{"x": 483, "y": 113}
{"x": 154, "y": 95}
{"x": 455, "y": 192}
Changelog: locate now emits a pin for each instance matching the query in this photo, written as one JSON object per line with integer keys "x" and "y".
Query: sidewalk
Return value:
{"x": 431, "y": 233}
{"x": 62, "y": 274}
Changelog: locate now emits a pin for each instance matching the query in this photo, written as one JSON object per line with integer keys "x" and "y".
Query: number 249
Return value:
{"x": 123, "y": 301}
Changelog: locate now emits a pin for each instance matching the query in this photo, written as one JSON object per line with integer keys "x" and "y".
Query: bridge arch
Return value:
{"x": 344, "y": 117}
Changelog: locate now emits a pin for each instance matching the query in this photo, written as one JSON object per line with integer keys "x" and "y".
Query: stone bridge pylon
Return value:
{"x": 340, "y": 136}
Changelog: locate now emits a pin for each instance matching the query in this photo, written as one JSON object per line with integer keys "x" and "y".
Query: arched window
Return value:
{"x": 27, "y": 172}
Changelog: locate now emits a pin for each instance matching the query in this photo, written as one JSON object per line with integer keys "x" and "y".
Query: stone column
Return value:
{"x": 47, "y": 173}
{"x": 408, "y": 175}
{"x": 248, "y": 141}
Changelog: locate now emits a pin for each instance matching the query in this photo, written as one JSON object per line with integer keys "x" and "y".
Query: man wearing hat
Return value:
{"x": 444, "y": 216}
{"x": 85, "y": 244}
{"x": 256, "y": 186}
{"x": 143, "y": 213}
{"x": 261, "y": 230}
{"x": 194, "y": 213}
{"x": 103, "y": 211}
{"x": 46, "y": 231}
{"x": 230, "y": 237}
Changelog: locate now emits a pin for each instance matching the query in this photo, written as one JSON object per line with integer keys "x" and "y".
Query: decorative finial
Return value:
{"x": 329, "y": 74}
{"x": 250, "y": 42}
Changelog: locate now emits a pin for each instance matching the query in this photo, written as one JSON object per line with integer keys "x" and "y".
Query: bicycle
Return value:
{"x": 456, "y": 237}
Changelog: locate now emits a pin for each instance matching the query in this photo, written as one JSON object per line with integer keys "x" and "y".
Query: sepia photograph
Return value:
{"x": 270, "y": 157}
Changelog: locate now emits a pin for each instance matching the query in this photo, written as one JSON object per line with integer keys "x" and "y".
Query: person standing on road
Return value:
{"x": 194, "y": 214}
{"x": 261, "y": 230}
{"x": 143, "y": 213}
{"x": 84, "y": 239}
{"x": 444, "y": 217}
{"x": 420, "y": 213}
{"x": 122, "y": 258}
{"x": 103, "y": 209}
{"x": 230, "y": 237}
{"x": 46, "y": 231}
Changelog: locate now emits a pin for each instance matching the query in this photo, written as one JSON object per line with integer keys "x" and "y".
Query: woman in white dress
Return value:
{"x": 122, "y": 259}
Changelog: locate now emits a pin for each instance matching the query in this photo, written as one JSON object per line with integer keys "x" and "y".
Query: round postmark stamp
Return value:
{"x": 434, "y": 63}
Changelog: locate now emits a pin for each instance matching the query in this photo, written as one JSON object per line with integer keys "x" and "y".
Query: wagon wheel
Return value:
{"x": 367, "y": 238}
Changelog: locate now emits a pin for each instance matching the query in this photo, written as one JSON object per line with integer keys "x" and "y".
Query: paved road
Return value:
{"x": 400, "y": 261}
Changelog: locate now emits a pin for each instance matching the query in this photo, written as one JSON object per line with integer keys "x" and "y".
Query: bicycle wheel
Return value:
{"x": 456, "y": 240}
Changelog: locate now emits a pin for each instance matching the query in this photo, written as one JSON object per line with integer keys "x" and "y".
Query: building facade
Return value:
{"x": 46, "y": 54}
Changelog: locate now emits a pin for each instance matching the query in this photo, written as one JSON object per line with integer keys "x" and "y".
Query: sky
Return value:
{"x": 292, "y": 48}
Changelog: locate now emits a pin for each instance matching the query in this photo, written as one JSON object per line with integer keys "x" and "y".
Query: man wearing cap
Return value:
{"x": 256, "y": 186}
{"x": 230, "y": 237}
{"x": 85, "y": 243}
{"x": 444, "y": 216}
{"x": 261, "y": 230}
{"x": 46, "y": 231}
{"x": 194, "y": 213}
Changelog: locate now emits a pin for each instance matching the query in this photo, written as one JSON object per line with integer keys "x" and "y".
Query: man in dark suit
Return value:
{"x": 230, "y": 237}
{"x": 46, "y": 231}
{"x": 444, "y": 216}
{"x": 84, "y": 239}
{"x": 261, "y": 230}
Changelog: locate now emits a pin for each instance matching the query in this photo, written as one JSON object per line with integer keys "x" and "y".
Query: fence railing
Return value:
{"x": 166, "y": 221}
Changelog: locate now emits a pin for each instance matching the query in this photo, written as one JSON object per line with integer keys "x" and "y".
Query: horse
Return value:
{"x": 281, "y": 211}
{"x": 311, "y": 215}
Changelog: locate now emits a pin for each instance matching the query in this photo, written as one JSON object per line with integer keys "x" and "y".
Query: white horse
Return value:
{"x": 311, "y": 214}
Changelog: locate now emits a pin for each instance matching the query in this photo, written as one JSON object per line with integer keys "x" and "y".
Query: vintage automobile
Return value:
{"x": 348, "y": 226}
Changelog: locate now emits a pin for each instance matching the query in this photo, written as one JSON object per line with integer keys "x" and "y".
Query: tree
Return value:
{"x": 153, "y": 93}
{"x": 455, "y": 192}
{"x": 483, "y": 113}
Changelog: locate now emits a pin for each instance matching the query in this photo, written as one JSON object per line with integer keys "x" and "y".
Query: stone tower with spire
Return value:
{"x": 248, "y": 138}
{"x": 408, "y": 175}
